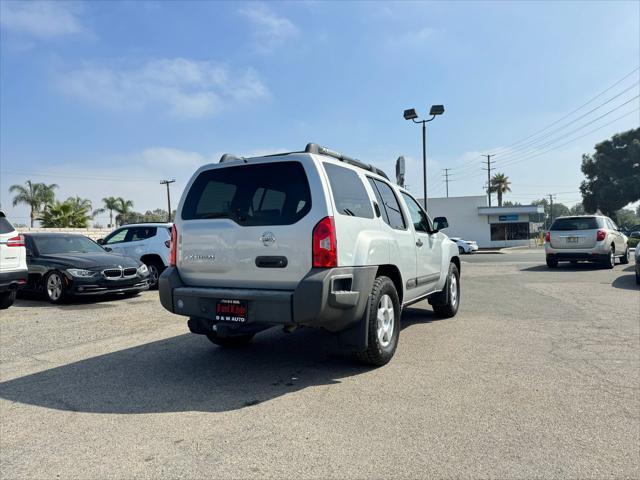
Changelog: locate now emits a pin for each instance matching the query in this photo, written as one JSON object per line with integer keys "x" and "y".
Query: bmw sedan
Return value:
{"x": 62, "y": 265}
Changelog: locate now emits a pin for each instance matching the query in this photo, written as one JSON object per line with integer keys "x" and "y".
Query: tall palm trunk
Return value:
{"x": 110, "y": 218}
{"x": 499, "y": 198}
{"x": 33, "y": 216}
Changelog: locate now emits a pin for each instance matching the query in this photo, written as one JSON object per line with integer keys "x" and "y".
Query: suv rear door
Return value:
{"x": 249, "y": 224}
{"x": 575, "y": 232}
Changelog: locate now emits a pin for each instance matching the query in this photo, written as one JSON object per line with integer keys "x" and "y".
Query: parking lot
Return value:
{"x": 537, "y": 376}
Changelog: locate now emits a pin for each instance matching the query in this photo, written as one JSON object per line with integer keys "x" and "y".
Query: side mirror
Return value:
{"x": 440, "y": 223}
{"x": 100, "y": 241}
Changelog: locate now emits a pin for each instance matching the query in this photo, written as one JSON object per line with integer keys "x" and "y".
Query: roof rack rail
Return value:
{"x": 230, "y": 157}
{"x": 317, "y": 149}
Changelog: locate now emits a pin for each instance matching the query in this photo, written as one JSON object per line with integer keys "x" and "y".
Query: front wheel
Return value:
{"x": 54, "y": 287}
{"x": 155, "y": 269}
{"x": 460, "y": 250}
{"x": 451, "y": 295}
{"x": 384, "y": 323}
{"x": 7, "y": 299}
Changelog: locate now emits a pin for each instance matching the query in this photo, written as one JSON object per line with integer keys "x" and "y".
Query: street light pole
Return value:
{"x": 412, "y": 115}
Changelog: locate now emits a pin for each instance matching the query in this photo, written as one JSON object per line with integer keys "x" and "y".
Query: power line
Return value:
{"x": 618, "y": 82}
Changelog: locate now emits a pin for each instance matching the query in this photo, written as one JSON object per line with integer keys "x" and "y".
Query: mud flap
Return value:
{"x": 356, "y": 337}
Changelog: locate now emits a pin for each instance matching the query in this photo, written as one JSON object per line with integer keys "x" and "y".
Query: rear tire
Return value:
{"x": 451, "y": 293}
{"x": 461, "y": 250}
{"x": 235, "y": 341}
{"x": 384, "y": 324}
{"x": 624, "y": 259}
{"x": 610, "y": 261}
{"x": 7, "y": 299}
{"x": 552, "y": 262}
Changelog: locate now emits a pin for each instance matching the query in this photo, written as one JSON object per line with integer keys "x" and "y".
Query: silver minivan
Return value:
{"x": 592, "y": 238}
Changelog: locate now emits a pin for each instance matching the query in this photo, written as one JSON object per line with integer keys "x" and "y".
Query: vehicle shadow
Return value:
{"x": 626, "y": 282}
{"x": 188, "y": 373}
{"x": 565, "y": 267}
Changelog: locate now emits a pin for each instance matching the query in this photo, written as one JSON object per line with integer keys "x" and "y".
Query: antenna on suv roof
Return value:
{"x": 317, "y": 149}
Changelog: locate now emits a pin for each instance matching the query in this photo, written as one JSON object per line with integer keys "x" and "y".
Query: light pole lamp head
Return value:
{"x": 410, "y": 114}
{"x": 436, "y": 110}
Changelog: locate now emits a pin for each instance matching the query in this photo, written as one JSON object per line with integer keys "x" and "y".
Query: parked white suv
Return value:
{"x": 147, "y": 242}
{"x": 309, "y": 238}
{"x": 592, "y": 238}
{"x": 13, "y": 262}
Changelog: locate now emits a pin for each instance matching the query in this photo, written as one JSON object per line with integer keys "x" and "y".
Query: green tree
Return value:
{"x": 111, "y": 204}
{"x": 74, "y": 212}
{"x": 124, "y": 209}
{"x": 35, "y": 195}
{"x": 627, "y": 218}
{"x": 612, "y": 174}
{"x": 577, "y": 209}
{"x": 500, "y": 185}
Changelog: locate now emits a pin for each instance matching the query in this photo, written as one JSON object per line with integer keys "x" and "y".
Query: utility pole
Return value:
{"x": 550, "y": 209}
{"x": 488, "y": 169}
{"x": 446, "y": 178}
{"x": 167, "y": 182}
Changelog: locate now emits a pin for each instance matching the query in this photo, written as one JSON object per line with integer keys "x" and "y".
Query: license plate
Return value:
{"x": 572, "y": 239}
{"x": 231, "y": 311}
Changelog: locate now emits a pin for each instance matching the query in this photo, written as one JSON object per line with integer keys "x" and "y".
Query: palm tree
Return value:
{"x": 500, "y": 185}
{"x": 124, "y": 209}
{"x": 112, "y": 204}
{"x": 72, "y": 213}
{"x": 36, "y": 195}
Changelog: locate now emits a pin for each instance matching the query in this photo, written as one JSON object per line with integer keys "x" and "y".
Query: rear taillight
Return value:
{"x": 17, "y": 241}
{"x": 325, "y": 251}
{"x": 601, "y": 235}
{"x": 173, "y": 246}
{"x": 547, "y": 237}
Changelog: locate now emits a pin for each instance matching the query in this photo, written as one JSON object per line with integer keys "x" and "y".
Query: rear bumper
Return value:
{"x": 12, "y": 280}
{"x": 329, "y": 298}
{"x": 585, "y": 256}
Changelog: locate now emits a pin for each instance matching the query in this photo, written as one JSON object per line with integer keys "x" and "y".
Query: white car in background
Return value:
{"x": 13, "y": 262}
{"x": 147, "y": 242}
{"x": 465, "y": 246}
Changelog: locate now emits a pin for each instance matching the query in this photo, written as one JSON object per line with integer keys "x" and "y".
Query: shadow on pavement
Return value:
{"x": 188, "y": 373}
{"x": 565, "y": 267}
{"x": 626, "y": 282}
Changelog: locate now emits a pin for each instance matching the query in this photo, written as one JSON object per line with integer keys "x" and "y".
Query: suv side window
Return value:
{"x": 141, "y": 233}
{"x": 389, "y": 206}
{"x": 420, "y": 219}
{"x": 349, "y": 193}
{"x": 116, "y": 237}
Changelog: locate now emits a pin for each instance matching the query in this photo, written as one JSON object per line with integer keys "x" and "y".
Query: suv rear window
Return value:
{"x": 577, "y": 223}
{"x": 349, "y": 193}
{"x": 251, "y": 195}
{"x": 5, "y": 225}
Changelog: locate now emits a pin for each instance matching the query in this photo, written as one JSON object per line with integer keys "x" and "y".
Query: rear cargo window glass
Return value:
{"x": 577, "y": 223}
{"x": 349, "y": 193}
{"x": 252, "y": 195}
{"x": 5, "y": 225}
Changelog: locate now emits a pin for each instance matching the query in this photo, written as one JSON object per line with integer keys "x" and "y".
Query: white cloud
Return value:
{"x": 40, "y": 19}
{"x": 413, "y": 39}
{"x": 187, "y": 88}
{"x": 270, "y": 29}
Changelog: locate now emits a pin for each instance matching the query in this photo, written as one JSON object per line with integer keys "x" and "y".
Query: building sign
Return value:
{"x": 508, "y": 218}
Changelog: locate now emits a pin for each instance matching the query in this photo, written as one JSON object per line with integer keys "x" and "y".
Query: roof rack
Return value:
{"x": 317, "y": 149}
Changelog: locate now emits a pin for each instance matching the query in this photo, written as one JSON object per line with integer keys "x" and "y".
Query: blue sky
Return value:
{"x": 107, "y": 98}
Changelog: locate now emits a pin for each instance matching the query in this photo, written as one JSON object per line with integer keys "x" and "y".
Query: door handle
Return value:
{"x": 419, "y": 243}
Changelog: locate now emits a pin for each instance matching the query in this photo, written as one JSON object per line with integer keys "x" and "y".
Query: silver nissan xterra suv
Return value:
{"x": 310, "y": 238}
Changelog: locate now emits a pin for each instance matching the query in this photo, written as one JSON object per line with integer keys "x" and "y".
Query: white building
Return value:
{"x": 471, "y": 218}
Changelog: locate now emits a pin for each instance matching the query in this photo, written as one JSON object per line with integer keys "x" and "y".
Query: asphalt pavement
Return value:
{"x": 537, "y": 377}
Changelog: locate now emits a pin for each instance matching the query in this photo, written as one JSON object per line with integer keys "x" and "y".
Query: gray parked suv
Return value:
{"x": 592, "y": 238}
{"x": 310, "y": 238}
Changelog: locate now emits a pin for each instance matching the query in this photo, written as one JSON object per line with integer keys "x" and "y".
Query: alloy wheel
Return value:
{"x": 453, "y": 289}
{"x": 153, "y": 275}
{"x": 54, "y": 287}
{"x": 386, "y": 320}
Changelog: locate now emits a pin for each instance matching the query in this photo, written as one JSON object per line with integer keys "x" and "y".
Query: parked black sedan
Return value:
{"x": 62, "y": 265}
